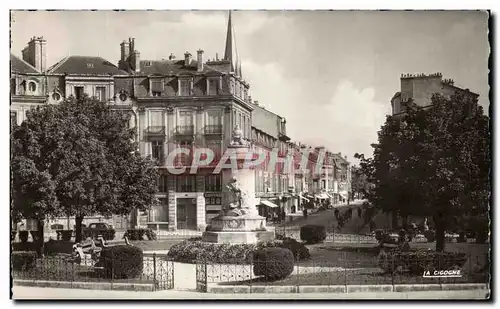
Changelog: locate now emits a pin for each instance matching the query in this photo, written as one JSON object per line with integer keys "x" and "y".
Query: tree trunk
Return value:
{"x": 41, "y": 238}
{"x": 439, "y": 223}
{"x": 394, "y": 220}
{"x": 78, "y": 231}
{"x": 405, "y": 222}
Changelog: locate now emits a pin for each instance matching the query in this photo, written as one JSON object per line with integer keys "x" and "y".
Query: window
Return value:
{"x": 90, "y": 65}
{"x": 186, "y": 183}
{"x": 323, "y": 184}
{"x": 237, "y": 89}
{"x": 32, "y": 86}
{"x": 162, "y": 183}
{"x": 23, "y": 87}
{"x": 185, "y": 88}
{"x": 156, "y": 87}
{"x": 156, "y": 118}
{"x": 213, "y": 183}
{"x": 185, "y": 122}
{"x": 101, "y": 94}
{"x": 213, "y": 85}
{"x": 79, "y": 93}
{"x": 157, "y": 150}
{"x": 213, "y": 122}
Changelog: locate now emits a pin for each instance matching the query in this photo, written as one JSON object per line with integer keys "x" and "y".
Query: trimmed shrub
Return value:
{"x": 150, "y": 234}
{"x": 190, "y": 251}
{"x": 55, "y": 247}
{"x": 312, "y": 234}
{"x": 34, "y": 235}
{"x": 13, "y": 235}
{"x": 273, "y": 263}
{"x": 122, "y": 262}
{"x": 23, "y": 236}
{"x": 23, "y": 260}
{"x": 134, "y": 234}
{"x": 66, "y": 235}
{"x": 298, "y": 249}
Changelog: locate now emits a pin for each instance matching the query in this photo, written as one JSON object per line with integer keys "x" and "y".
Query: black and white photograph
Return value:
{"x": 250, "y": 154}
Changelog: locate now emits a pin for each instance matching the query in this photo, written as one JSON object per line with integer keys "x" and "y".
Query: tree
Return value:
{"x": 359, "y": 182}
{"x": 433, "y": 161}
{"x": 86, "y": 149}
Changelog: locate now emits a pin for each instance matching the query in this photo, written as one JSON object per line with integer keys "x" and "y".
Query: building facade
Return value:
{"x": 420, "y": 88}
{"x": 179, "y": 106}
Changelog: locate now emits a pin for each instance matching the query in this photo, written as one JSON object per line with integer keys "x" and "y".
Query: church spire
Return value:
{"x": 228, "y": 54}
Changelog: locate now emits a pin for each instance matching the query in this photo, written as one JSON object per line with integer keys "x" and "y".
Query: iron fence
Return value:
{"x": 345, "y": 271}
{"x": 155, "y": 271}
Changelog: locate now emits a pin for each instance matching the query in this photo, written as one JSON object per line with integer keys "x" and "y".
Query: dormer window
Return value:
{"x": 90, "y": 65}
{"x": 185, "y": 87}
{"x": 156, "y": 87}
{"x": 31, "y": 86}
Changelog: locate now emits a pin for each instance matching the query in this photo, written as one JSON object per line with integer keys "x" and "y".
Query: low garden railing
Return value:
{"x": 393, "y": 269}
{"x": 155, "y": 272}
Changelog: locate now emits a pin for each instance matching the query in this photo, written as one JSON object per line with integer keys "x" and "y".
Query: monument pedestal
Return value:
{"x": 241, "y": 225}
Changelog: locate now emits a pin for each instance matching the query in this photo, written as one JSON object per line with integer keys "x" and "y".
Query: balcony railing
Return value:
{"x": 184, "y": 130}
{"x": 213, "y": 129}
{"x": 155, "y": 130}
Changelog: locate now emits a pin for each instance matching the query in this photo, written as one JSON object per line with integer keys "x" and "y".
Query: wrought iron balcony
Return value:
{"x": 184, "y": 130}
{"x": 155, "y": 130}
{"x": 213, "y": 129}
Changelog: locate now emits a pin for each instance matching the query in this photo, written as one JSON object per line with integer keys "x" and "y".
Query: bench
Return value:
{"x": 86, "y": 252}
{"x": 110, "y": 243}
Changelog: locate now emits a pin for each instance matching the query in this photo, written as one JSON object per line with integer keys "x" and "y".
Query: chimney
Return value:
{"x": 125, "y": 50}
{"x": 187, "y": 59}
{"x": 171, "y": 57}
{"x": 131, "y": 43}
{"x": 135, "y": 61}
{"x": 200, "y": 60}
{"x": 36, "y": 53}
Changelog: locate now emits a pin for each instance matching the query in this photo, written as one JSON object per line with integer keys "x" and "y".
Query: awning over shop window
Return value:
{"x": 322, "y": 196}
{"x": 268, "y": 204}
{"x": 329, "y": 195}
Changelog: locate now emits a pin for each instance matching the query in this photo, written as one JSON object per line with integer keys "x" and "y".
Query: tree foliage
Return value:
{"x": 78, "y": 159}
{"x": 433, "y": 161}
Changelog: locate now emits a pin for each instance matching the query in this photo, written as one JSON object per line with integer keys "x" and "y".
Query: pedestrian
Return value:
{"x": 360, "y": 212}
{"x": 305, "y": 212}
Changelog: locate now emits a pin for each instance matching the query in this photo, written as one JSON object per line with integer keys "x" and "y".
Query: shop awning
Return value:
{"x": 322, "y": 196}
{"x": 268, "y": 204}
{"x": 329, "y": 195}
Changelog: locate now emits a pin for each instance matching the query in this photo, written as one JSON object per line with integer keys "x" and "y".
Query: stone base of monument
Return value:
{"x": 247, "y": 229}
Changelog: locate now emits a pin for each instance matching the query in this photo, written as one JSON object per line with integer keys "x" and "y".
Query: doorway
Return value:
{"x": 186, "y": 214}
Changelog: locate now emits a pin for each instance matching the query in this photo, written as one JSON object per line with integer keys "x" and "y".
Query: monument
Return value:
{"x": 239, "y": 221}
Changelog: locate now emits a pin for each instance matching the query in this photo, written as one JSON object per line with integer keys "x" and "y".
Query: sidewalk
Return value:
{"x": 20, "y": 293}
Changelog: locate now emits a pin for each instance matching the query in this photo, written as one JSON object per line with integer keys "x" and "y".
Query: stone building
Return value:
{"x": 175, "y": 104}
{"x": 421, "y": 87}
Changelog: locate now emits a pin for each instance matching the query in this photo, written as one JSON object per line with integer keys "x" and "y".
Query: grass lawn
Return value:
{"x": 152, "y": 245}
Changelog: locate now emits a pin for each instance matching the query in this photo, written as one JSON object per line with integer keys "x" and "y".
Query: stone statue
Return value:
{"x": 426, "y": 225}
{"x": 237, "y": 201}
{"x": 237, "y": 138}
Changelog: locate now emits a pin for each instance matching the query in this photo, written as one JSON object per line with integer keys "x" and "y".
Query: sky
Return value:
{"x": 331, "y": 74}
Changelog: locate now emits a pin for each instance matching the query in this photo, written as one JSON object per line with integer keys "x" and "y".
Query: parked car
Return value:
{"x": 99, "y": 228}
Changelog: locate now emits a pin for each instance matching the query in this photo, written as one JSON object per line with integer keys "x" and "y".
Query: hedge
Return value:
{"x": 194, "y": 249}
{"x": 138, "y": 234}
{"x": 416, "y": 262}
{"x": 13, "y": 235}
{"x": 23, "y": 260}
{"x": 273, "y": 263}
{"x": 66, "y": 235}
{"x": 312, "y": 234}
{"x": 122, "y": 261}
